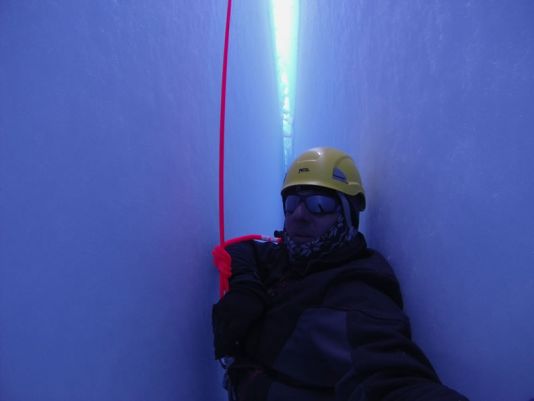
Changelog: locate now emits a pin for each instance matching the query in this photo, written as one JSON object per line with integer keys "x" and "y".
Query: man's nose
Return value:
{"x": 301, "y": 211}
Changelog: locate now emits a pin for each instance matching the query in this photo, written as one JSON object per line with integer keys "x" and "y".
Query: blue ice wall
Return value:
{"x": 109, "y": 125}
{"x": 254, "y": 149}
{"x": 436, "y": 101}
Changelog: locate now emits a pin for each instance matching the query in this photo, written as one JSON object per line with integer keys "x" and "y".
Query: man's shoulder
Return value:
{"x": 369, "y": 275}
{"x": 266, "y": 251}
{"x": 370, "y": 262}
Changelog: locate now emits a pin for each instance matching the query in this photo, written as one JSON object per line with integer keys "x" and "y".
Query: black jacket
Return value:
{"x": 333, "y": 329}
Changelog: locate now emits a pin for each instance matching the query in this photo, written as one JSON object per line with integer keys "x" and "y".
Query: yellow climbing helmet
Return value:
{"x": 325, "y": 167}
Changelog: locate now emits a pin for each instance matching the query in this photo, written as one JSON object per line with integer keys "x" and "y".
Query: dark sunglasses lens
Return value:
{"x": 321, "y": 204}
{"x": 291, "y": 203}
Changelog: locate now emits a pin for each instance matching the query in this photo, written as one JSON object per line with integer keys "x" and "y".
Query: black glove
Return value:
{"x": 244, "y": 265}
{"x": 242, "y": 306}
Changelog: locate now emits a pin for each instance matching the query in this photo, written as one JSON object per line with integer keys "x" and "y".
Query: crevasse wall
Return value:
{"x": 109, "y": 118}
{"x": 435, "y": 101}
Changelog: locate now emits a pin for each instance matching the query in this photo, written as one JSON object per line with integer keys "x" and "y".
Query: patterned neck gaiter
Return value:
{"x": 334, "y": 238}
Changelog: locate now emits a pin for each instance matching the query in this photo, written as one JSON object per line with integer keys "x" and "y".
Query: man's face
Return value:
{"x": 303, "y": 224}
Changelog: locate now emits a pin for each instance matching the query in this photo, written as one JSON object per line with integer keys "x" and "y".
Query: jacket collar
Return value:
{"x": 354, "y": 249}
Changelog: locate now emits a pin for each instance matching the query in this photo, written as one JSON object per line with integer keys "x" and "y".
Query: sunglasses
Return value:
{"x": 315, "y": 203}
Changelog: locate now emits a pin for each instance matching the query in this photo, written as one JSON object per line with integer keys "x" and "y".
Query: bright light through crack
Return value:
{"x": 285, "y": 19}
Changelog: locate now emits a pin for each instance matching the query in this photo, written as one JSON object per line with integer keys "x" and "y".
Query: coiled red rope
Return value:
{"x": 223, "y": 260}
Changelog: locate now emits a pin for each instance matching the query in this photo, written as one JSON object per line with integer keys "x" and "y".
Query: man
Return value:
{"x": 319, "y": 317}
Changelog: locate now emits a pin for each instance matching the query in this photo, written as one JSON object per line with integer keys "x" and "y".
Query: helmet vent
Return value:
{"x": 304, "y": 170}
{"x": 339, "y": 175}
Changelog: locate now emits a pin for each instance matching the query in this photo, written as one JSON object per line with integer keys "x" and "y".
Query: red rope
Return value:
{"x": 221, "y": 258}
{"x": 222, "y": 121}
